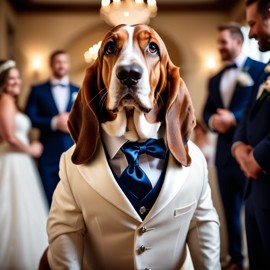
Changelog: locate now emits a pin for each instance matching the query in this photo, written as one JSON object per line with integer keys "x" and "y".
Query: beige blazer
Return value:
{"x": 92, "y": 225}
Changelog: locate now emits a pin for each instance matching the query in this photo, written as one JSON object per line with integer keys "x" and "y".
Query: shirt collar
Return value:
{"x": 63, "y": 81}
{"x": 239, "y": 60}
{"x": 113, "y": 144}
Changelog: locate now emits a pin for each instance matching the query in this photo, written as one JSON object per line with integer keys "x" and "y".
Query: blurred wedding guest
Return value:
{"x": 48, "y": 107}
{"x": 229, "y": 92}
{"x": 203, "y": 141}
{"x": 252, "y": 146}
{"x": 206, "y": 141}
{"x": 23, "y": 206}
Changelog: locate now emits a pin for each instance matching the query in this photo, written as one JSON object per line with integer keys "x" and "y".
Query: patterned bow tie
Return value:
{"x": 133, "y": 176}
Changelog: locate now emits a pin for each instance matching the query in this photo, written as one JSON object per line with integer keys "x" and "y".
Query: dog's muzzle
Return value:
{"x": 129, "y": 75}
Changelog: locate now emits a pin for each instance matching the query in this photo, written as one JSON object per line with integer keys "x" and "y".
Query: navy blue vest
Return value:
{"x": 145, "y": 204}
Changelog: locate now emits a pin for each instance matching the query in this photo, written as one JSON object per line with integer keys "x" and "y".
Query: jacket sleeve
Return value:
{"x": 65, "y": 227}
{"x": 33, "y": 111}
{"x": 204, "y": 235}
{"x": 261, "y": 153}
{"x": 240, "y": 132}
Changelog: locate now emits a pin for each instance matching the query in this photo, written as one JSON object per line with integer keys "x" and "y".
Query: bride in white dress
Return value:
{"x": 23, "y": 207}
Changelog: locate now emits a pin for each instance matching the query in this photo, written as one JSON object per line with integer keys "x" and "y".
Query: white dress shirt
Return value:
{"x": 117, "y": 160}
{"x": 228, "y": 83}
{"x": 60, "y": 92}
{"x": 229, "y": 79}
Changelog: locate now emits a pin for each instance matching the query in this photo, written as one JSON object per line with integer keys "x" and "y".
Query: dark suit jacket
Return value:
{"x": 41, "y": 108}
{"x": 239, "y": 101}
{"x": 254, "y": 130}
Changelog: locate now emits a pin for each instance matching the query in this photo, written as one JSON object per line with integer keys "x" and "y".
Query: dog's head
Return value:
{"x": 131, "y": 90}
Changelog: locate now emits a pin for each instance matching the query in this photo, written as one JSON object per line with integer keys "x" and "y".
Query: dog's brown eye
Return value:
{"x": 110, "y": 48}
{"x": 153, "y": 48}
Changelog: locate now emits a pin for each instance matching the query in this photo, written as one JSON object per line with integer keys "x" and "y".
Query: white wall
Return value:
{"x": 189, "y": 37}
{"x": 7, "y": 17}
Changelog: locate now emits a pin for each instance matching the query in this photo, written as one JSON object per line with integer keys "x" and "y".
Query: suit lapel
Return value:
{"x": 247, "y": 64}
{"x": 175, "y": 177}
{"x": 237, "y": 88}
{"x": 98, "y": 175}
{"x": 216, "y": 93}
{"x": 72, "y": 93}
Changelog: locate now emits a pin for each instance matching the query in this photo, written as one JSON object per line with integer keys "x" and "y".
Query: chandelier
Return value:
{"x": 127, "y": 11}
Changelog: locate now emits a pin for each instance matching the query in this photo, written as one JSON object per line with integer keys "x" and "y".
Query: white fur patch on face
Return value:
{"x": 145, "y": 129}
{"x": 117, "y": 127}
{"x": 129, "y": 55}
{"x": 136, "y": 98}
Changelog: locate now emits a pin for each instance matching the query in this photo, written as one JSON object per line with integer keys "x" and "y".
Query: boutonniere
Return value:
{"x": 74, "y": 95}
{"x": 244, "y": 79}
{"x": 264, "y": 89}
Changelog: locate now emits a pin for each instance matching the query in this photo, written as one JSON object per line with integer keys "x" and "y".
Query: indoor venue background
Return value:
{"x": 31, "y": 29}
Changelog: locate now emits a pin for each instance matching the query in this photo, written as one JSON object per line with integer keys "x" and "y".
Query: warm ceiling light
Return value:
{"x": 127, "y": 11}
{"x": 211, "y": 62}
{"x": 36, "y": 63}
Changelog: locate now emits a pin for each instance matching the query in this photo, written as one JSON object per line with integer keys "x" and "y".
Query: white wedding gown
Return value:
{"x": 23, "y": 207}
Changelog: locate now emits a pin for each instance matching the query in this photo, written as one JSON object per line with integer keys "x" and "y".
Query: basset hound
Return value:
{"x": 131, "y": 90}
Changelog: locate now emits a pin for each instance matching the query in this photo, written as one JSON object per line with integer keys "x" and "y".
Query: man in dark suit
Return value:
{"x": 251, "y": 146}
{"x": 229, "y": 92}
{"x": 48, "y": 107}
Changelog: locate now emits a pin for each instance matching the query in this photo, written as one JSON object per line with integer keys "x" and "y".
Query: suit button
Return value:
{"x": 142, "y": 210}
{"x": 142, "y": 248}
{"x": 143, "y": 229}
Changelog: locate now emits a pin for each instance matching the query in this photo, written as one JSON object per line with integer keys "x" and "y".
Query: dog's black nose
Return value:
{"x": 129, "y": 75}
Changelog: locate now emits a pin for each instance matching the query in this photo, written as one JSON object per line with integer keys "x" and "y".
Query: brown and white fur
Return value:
{"x": 131, "y": 90}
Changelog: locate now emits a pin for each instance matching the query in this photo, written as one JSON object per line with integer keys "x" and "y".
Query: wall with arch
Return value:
{"x": 190, "y": 38}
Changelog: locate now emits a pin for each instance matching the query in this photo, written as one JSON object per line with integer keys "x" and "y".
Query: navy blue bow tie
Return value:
{"x": 233, "y": 65}
{"x": 59, "y": 84}
{"x": 133, "y": 176}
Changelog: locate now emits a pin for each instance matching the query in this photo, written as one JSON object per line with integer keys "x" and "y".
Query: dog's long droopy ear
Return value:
{"x": 180, "y": 117}
{"x": 83, "y": 123}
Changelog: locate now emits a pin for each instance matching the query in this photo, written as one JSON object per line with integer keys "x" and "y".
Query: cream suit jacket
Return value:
{"x": 92, "y": 225}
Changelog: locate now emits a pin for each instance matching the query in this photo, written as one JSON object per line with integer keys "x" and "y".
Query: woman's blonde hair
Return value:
{"x": 5, "y": 67}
